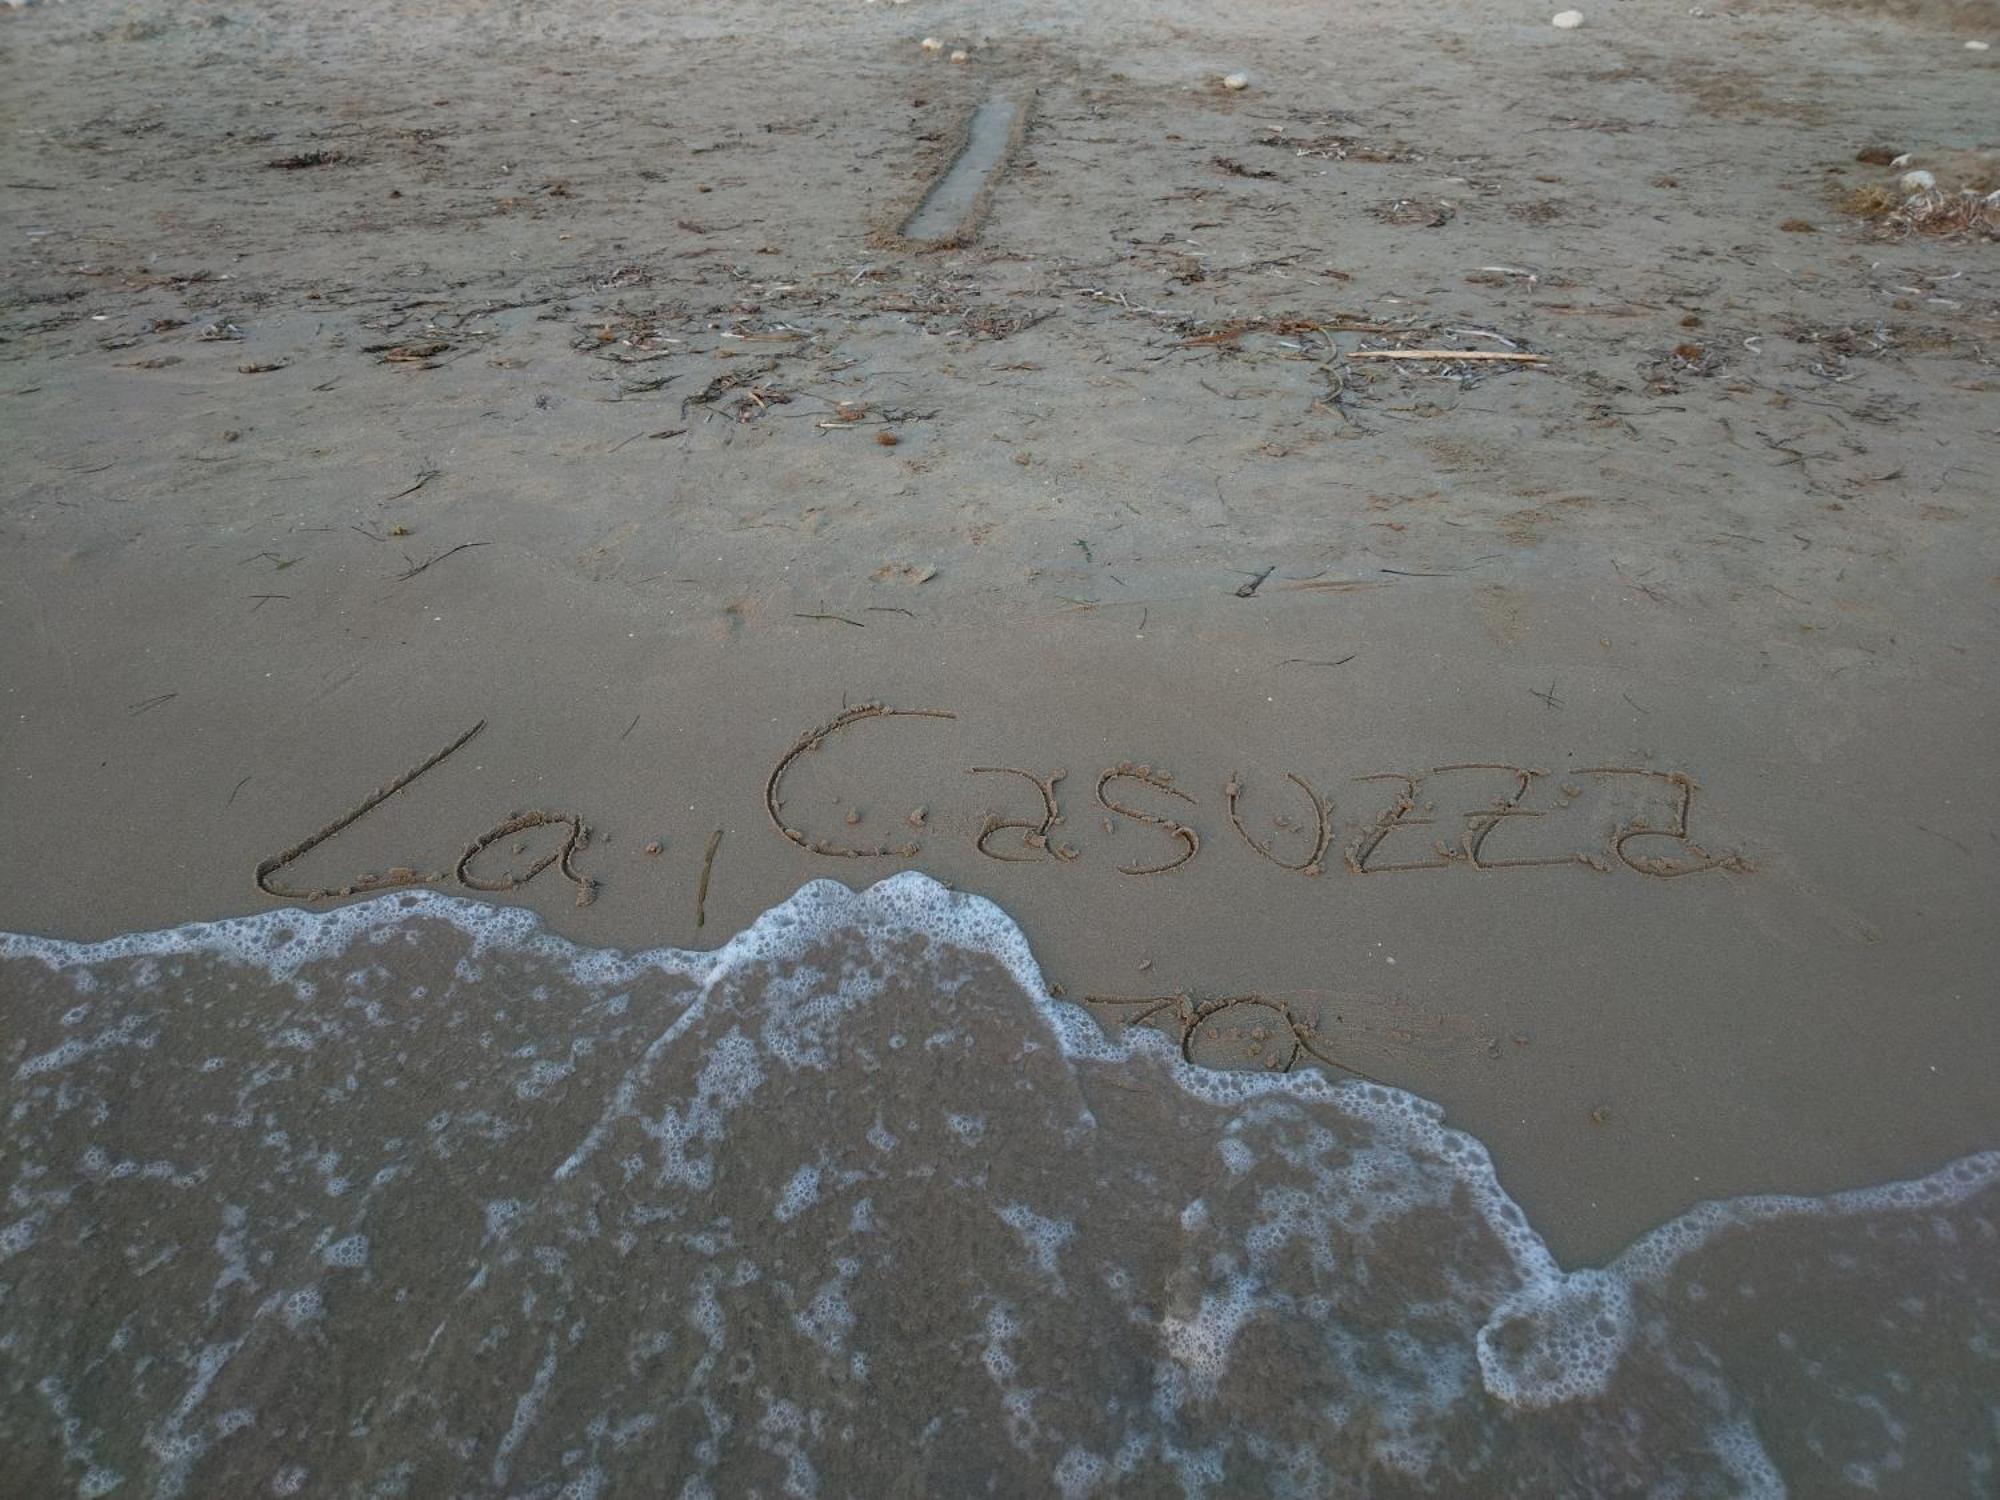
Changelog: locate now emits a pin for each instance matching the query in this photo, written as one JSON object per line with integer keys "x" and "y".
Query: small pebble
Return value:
{"x": 1566, "y": 20}
{"x": 1977, "y": 46}
{"x": 961, "y": 55}
{"x": 1236, "y": 82}
{"x": 931, "y": 44}
{"x": 1918, "y": 181}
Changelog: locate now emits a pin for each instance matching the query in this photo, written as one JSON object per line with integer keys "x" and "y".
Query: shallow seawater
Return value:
{"x": 414, "y": 1199}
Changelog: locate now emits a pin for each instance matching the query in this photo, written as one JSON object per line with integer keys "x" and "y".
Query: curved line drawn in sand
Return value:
{"x": 1294, "y": 1038}
{"x": 1499, "y": 806}
{"x": 1406, "y": 813}
{"x": 389, "y": 879}
{"x": 1036, "y": 835}
{"x": 812, "y": 739}
{"x": 577, "y": 838}
{"x": 1159, "y": 781}
{"x": 1313, "y": 864}
{"x": 707, "y": 873}
{"x": 1480, "y": 825}
{"x": 1479, "y": 828}
{"x": 396, "y": 877}
{"x": 1397, "y": 816}
{"x": 1666, "y": 869}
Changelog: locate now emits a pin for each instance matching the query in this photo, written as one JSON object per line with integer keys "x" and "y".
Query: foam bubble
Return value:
{"x": 1042, "y": 1237}
{"x": 801, "y": 1193}
{"x": 349, "y": 1253}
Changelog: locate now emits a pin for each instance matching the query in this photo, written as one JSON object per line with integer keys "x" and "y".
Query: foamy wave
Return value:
{"x": 332, "y": 1127}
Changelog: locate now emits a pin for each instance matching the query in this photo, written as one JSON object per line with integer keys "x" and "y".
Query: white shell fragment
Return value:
{"x": 1566, "y": 20}
{"x": 1977, "y": 46}
{"x": 1236, "y": 82}
{"x": 961, "y": 55}
{"x": 1918, "y": 181}
{"x": 931, "y": 44}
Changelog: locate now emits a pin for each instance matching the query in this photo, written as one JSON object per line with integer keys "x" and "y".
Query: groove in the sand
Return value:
{"x": 950, "y": 210}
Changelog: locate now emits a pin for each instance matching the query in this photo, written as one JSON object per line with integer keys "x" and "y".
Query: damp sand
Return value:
{"x": 414, "y": 1197}
{"x": 948, "y": 207}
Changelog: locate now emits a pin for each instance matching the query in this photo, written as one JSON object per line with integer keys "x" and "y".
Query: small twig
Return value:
{"x": 416, "y": 568}
{"x": 138, "y": 708}
{"x": 1302, "y": 661}
{"x": 373, "y": 800}
{"x": 1446, "y": 573}
{"x": 237, "y": 788}
{"x": 1250, "y": 588}
{"x": 263, "y": 599}
{"x": 665, "y": 432}
{"x": 630, "y": 727}
{"x": 857, "y": 624}
{"x": 424, "y": 477}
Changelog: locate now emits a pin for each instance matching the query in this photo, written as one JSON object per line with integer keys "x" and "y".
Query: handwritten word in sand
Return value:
{"x": 576, "y": 836}
{"x": 1478, "y": 815}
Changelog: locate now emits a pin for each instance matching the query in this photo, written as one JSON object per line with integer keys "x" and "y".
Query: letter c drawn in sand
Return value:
{"x": 812, "y": 739}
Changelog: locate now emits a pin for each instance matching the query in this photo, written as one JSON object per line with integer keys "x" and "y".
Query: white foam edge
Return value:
{"x": 1586, "y": 1313}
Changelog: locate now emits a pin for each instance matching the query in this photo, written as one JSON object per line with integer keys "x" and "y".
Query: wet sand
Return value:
{"x": 618, "y": 312}
{"x": 414, "y": 1199}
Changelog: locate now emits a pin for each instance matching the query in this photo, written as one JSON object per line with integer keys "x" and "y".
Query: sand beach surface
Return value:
{"x": 1468, "y": 560}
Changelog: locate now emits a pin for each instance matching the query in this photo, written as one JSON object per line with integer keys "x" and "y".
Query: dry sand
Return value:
{"x": 1736, "y": 527}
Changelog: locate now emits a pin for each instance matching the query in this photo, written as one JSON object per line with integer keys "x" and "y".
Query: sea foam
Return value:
{"x": 853, "y": 1203}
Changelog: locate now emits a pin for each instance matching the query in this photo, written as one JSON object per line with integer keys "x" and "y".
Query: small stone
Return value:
{"x": 931, "y": 44}
{"x": 1566, "y": 20}
{"x": 1977, "y": 46}
{"x": 961, "y": 56}
{"x": 1918, "y": 181}
{"x": 1236, "y": 83}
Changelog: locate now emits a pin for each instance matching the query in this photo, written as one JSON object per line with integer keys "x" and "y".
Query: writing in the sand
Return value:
{"x": 1476, "y": 815}
{"x": 1479, "y": 815}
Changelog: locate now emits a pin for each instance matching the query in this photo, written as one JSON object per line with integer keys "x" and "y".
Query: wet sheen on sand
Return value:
{"x": 413, "y": 1198}
{"x": 946, "y": 207}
